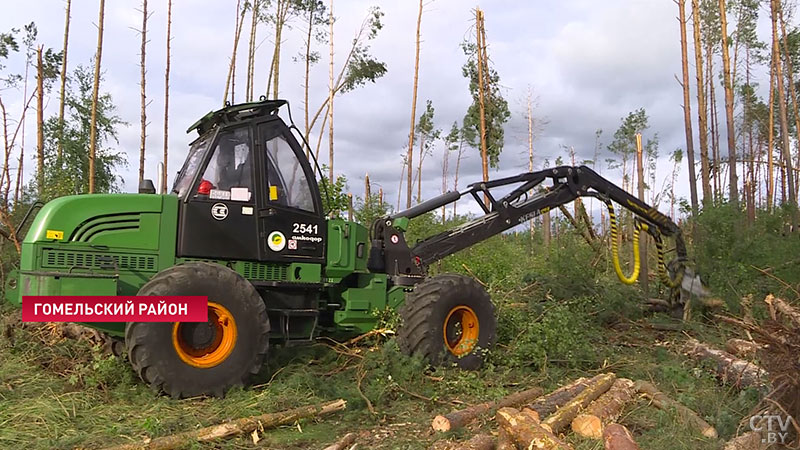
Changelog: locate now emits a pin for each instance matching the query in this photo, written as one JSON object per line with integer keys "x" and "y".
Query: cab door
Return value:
{"x": 217, "y": 217}
{"x": 292, "y": 226}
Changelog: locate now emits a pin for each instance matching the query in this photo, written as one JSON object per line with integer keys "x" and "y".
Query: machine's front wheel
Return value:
{"x": 188, "y": 359}
{"x": 448, "y": 318}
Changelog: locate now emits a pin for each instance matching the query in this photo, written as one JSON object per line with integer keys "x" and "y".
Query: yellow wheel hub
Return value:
{"x": 461, "y": 329}
{"x": 206, "y": 344}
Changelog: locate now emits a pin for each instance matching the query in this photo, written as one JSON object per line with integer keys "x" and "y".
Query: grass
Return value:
{"x": 66, "y": 394}
{"x": 562, "y": 314}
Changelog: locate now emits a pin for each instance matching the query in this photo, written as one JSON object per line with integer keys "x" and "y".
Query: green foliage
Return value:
{"x": 367, "y": 210}
{"x": 496, "y": 112}
{"x": 363, "y": 67}
{"x": 69, "y": 174}
{"x": 334, "y": 196}
{"x": 729, "y": 252}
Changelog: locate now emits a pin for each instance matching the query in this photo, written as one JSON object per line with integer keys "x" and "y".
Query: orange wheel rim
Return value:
{"x": 461, "y": 329}
{"x": 208, "y": 344}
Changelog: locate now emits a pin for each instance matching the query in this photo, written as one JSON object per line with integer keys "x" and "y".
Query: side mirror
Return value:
{"x": 146, "y": 187}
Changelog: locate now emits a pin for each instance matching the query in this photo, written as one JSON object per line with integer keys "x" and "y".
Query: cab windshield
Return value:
{"x": 183, "y": 182}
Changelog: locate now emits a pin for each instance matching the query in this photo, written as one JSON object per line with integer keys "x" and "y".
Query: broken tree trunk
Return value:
{"x": 564, "y": 416}
{"x": 344, "y": 443}
{"x": 237, "y": 427}
{"x": 784, "y": 308}
{"x": 617, "y": 437}
{"x": 606, "y": 409}
{"x": 742, "y": 348}
{"x": 458, "y": 419}
{"x": 526, "y": 432}
{"x": 547, "y": 404}
{"x": 731, "y": 370}
{"x": 479, "y": 442}
{"x": 661, "y": 401}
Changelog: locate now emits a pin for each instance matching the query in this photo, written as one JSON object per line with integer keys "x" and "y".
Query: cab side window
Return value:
{"x": 286, "y": 181}
{"x": 229, "y": 173}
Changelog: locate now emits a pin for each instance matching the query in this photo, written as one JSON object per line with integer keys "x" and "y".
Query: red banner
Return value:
{"x": 57, "y": 308}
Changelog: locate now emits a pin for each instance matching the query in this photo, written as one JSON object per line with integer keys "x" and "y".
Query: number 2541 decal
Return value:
{"x": 305, "y": 228}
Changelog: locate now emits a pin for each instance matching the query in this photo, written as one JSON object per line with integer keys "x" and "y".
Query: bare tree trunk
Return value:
{"x": 166, "y": 99}
{"x": 546, "y": 228}
{"x": 330, "y": 105}
{"x": 419, "y": 167}
{"x": 714, "y": 122}
{"x": 95, "y": 94}
{"x": 458, "y": 166}
{"x": 793, "y": 95}
{"x": 643, "y": 279}
{"x": 400, "y": 189}
{"x": 481, "y": 51}
{"x": 308, "y": 72}
{"x": 702, "y": 114}
{"x": 367, "y": 190}
{"x": 785, "y": 150}
{"x": 530, "y": 146}
{"x": 40, "y": 121}
{"x": 771, "y": 132}
{"x": 251, "y": 55}
{"x": 410, "y": 157}
{"x": 143, "y": 91}
{"x": 21, "y": 160}
{"x": 726, "y": 72}
{"x": 63, "y": 83}
{"x": 445, "y": 162}
{"x": 282, "y": 9}
{"x": 230, "y": 81}
{"x": 687, "y": 109}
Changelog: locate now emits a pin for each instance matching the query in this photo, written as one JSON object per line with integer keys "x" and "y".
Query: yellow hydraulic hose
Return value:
{"x": 615, "y": 248}
{"x": 662, "y": 267}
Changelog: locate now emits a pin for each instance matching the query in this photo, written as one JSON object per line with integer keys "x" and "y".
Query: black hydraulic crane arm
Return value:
{"x": 528, "y": 199}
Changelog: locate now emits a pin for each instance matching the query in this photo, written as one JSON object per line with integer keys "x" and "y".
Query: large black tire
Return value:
{"x": 431, "y": 306}
{"x": 154, "y": 354}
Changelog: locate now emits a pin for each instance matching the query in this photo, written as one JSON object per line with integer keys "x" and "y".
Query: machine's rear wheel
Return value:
{"x": 448, "y": 318}
{"x": 188, "y": 359}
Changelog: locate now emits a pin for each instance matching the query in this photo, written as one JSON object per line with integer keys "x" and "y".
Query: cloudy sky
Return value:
{"x": 589, "y": 63}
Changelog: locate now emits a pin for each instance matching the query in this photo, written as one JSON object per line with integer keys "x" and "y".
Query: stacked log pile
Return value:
{"x": 589, "y": 407}
{"x": 774, "y": 343}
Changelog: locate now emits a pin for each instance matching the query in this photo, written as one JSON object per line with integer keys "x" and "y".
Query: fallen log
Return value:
{"x": 662, "y": 401}
{"x": 617, "y": 437}
{"x": 657, "y": 305}
{"x": 787, "y": 310}
{"x": 606, "y": 409}
{"x": 479, "y": 442}
{"x": 731, "y": 370}
{"x": 547, "y": 404}
{"x": 742, "y": 348}
{"x": 237, "y": 427}
{"x": 344, "y": 443}
{"x": 527, "y": 433}
{"x": 458, "y": 419}
{"x": 746, "y": 441}
{"x": 564, "y": 416}
{"x": 504, "y": 440}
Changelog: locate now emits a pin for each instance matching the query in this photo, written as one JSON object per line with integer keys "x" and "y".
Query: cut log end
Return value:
{"x": 440, "y": 423}
{"x": 588, "y": 425}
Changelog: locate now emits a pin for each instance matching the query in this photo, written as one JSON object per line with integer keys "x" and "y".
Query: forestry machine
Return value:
{"x": 244, "y": 226}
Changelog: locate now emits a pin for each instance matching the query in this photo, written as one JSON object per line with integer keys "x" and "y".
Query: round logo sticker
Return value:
{"x": 219, "y": 211}
{"x": 276, "y": 241}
